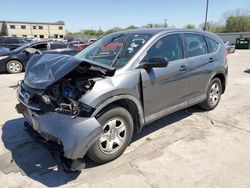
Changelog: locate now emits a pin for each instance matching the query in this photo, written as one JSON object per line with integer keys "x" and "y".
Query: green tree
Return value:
{"x": 237, "y": 20}
{"x": 189, "y": 26}
{"x": 131, "y": 27}
{"x": 155, "y": 25}
{"x": 112, "y": 30}
{"x": 213, "y": 27}
{"x": 237, "y": 24}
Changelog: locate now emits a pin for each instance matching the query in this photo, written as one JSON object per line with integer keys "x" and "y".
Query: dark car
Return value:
{"x": 15, "y": 61}
{"x": 12, "y": 42}
{"x": 91, "y": 104}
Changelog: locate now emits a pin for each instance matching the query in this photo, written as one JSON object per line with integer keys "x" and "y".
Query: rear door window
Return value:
{"x": 195, "y": 44}
{"x": 40, "y": 46}
{"x": 212, "y": 45}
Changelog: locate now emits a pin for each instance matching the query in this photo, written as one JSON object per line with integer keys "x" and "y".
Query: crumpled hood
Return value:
{"x": 44, "y": 70}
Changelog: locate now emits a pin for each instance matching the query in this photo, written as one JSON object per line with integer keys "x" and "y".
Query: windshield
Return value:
{"x": 114, "y": 49}
{"x": 21, "y": 47}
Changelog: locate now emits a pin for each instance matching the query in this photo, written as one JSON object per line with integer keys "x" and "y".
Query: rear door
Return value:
{"x": 165, "y": 89}
{"x": 201, "y": 65}
{"x": 57, "y": 48}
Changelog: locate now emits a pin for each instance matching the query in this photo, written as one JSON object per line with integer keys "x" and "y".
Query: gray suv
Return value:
{"x": 92, "y": 103}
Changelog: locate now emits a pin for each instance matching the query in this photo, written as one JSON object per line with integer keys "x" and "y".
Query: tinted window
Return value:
{"x": 23, "y": 26}
{"x": 11, "y": 41}
{"x": 195, "y": 44}
{"x": 57, "y": 46}
{"x": 167, "y": 47}
{"x": 212, "y": 45}
{"x": 40, "y": 46}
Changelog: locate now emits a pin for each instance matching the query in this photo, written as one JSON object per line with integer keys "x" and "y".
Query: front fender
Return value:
{"x": 124, "y": 84}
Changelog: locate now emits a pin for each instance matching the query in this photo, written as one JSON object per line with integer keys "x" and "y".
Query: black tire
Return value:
{"x": 209, "y": 103}
{"x": 14, "y": 66}
{"x": 96, "y": 152}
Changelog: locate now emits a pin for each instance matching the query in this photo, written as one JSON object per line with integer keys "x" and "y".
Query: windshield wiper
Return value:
{"x": 116, "y": 37}
{"x": 111, "y": 40}
{"x": 118, "y": 55}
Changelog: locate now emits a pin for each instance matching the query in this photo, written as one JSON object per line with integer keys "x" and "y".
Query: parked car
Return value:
{"x": 81, "y": 44}
{"x": 230, "y": 47}
{"x": 91, "y": 104}
{"x": 15, "y": 61}
{"x": 12, "y": 42}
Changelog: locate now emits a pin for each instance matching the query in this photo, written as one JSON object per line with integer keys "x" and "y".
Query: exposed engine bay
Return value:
{"x": 63, "y": 95}
{"x": 55, "y": 83}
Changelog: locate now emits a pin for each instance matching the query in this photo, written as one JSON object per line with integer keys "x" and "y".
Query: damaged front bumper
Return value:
{"x": 75, "y": 135}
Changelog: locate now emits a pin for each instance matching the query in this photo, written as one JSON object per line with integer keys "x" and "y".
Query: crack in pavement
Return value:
{"x": 136, "y": 168}
{"x": 222, "y": 122}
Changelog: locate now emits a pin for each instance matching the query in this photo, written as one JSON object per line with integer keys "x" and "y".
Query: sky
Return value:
{"x": 105, "y": 14}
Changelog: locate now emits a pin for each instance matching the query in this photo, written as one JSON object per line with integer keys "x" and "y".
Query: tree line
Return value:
{"x": 233, "y": 21}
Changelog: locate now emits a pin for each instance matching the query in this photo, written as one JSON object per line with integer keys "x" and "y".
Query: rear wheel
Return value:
{"x": 117, "y": 125}
{"x": 213, "y": 95}
{"x": 14, "y": 67}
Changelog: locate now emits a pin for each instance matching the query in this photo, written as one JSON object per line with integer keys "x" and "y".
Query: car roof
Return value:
{"x": 158, "y": 30}
{"x": 154, "y": 31}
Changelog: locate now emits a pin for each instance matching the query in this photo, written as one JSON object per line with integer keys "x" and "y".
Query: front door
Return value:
{"x": 165, "y": 89}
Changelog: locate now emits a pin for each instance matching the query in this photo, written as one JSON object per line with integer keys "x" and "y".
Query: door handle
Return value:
{"x": 183, "y": 68}
{"x": 211, "y": 60}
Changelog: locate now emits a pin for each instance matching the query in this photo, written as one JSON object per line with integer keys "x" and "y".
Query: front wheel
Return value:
{"x": 117, "y": 125}
{"x": 14, "y": 67}
{"x": 213, "y": 95}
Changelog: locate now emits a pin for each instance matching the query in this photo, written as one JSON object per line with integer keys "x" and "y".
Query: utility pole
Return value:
{"x": 165, "y": 25}
{"x": 205, "y": 25}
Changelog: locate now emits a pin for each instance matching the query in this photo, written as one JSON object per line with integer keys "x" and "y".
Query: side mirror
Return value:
{"x": 154, "y": 62}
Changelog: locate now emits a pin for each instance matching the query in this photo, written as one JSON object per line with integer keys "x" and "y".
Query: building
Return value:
{"x": 40, "y": 30}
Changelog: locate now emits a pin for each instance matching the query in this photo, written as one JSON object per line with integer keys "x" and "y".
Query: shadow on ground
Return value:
{"x": 35, "y": 161}
{"x": 30, "y": 157}
{"x": 166, "y": 121}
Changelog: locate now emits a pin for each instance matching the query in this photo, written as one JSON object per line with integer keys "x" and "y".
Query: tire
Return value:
{"x": 118, "y": 129}
{"x": 14, "y": 66}
{"x": 213, "y": 95}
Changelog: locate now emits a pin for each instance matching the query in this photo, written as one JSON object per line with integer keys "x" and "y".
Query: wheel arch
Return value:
{"x": 222, "y": 78}
{"x": 128, "y": 102}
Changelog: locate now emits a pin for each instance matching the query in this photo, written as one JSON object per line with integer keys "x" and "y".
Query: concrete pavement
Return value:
{"x": 190, "y": 148}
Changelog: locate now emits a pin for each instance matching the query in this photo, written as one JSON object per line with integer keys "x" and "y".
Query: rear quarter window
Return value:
{"x": 212, "y": 45}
